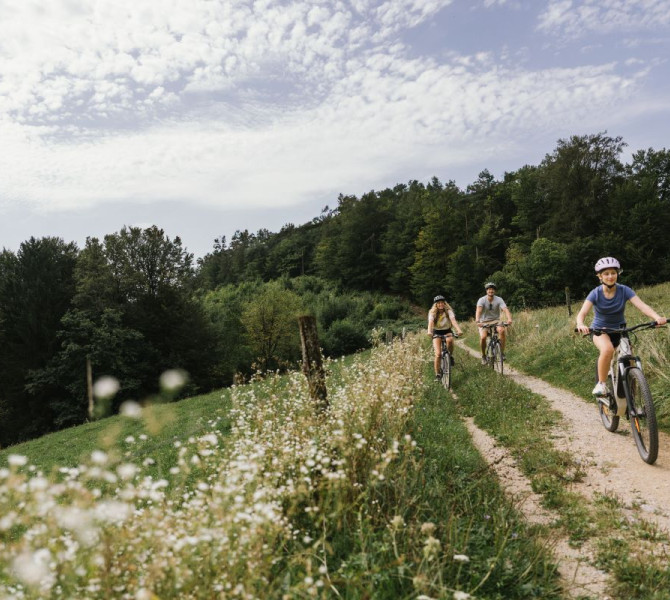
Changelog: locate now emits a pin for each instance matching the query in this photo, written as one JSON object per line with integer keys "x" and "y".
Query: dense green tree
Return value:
{"x": 271, "y": 323}
{"x": 36, "y": 290}
{"x": 399, "y": 239}
{"x": 224, "y": 307}
{"x": 577, "y": 179}
{"x": 351, "y": 247}
{"x": 436, "y": 240}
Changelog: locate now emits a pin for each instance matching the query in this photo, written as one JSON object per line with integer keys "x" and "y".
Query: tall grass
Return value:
{"x": 382, "y": 497}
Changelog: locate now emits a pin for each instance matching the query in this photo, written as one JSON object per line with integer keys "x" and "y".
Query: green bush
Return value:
{"x": 344, "y": 337}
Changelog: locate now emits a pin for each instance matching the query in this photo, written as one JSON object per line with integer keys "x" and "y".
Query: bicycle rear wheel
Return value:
{"x": 608, "y": 415}
{"x": 643, "y": 418}
{"x": 497, "y": 362}
{"x": 446, "y": 371}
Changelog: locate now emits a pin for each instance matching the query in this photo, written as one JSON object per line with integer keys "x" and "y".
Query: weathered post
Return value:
{"x": 312, "y": 363}
{"x": 567, "y": 300}
{"x": 89, "y": 387}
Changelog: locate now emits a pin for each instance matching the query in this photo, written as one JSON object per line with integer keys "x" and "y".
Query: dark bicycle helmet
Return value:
{"x": 438, "y": 298}
{"x": 490, "y": 284}
{"x": 607, "y": 262}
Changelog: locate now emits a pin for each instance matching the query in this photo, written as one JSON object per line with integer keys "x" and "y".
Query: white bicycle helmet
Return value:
{"x": 607, "y": 262}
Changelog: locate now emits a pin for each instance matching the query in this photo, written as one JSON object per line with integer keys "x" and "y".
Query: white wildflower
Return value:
{"x": 106, "y": 387}
{"x": 131, "y": 409}
{"x": 98, "y": 457}
{"x": 112, "y": 511}
{"x": 17, "y": 460}
{"x": 32, "y": 569}
{"x": 458, "y": 595}
{"x": 127, "y": 471}
{"x": 461, "y": 558}
{"x": 173, "y": 380}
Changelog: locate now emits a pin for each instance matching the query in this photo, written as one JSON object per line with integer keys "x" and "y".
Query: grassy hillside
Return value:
{"x": 247, "y": 493}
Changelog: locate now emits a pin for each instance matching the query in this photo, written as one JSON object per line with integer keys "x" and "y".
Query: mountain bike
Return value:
{"x": 628, "y": 394}
{"x": 494, "y": 354}
{"x": 445, "y": 360}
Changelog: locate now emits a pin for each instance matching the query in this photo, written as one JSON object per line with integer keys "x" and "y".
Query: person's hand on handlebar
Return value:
{"x": 583, "y": 329}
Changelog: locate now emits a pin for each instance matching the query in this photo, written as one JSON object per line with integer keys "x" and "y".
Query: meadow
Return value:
{"x": 249, "y": 493}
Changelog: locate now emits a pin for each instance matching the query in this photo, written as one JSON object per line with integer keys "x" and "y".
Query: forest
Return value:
{"x": 136, "y": 303}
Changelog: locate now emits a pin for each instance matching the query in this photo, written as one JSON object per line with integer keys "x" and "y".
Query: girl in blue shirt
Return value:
{"x": 609, "y": 303}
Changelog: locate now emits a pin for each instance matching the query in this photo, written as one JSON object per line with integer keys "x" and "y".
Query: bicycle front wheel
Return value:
{"x": 643, "y": 416}
{"x": 497, "y": 362}
{"x": 607, "y": 415}
{"x": 446, "y": 371}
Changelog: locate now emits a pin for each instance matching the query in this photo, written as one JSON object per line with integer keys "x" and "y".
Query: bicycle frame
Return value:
{"x": 445, "y": 358}
{"x": 626, "y": 381}
{"x": 622, "y": 361}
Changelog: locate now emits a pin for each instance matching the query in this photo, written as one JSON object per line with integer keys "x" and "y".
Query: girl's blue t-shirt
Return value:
{"x": 609, "y": 312}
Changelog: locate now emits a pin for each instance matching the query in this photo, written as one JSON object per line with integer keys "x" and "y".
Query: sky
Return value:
{"x": 205, "y": 117}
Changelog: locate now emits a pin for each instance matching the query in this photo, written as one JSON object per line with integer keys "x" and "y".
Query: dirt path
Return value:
{"x": 610, "y": 462}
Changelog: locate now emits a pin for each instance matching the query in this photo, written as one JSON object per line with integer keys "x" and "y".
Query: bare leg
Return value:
{"x": 604, "y": 344}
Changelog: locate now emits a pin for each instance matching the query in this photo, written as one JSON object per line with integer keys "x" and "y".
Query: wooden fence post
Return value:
{"x": 89, "y": 387}
{"x": 312, "y": 364}
{"x": 567, "y": 300}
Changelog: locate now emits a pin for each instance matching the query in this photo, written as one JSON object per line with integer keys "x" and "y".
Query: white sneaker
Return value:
{"x": 600, "y": 389}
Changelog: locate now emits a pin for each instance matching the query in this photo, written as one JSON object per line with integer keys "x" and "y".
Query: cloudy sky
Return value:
{"x": 208, "y": 116}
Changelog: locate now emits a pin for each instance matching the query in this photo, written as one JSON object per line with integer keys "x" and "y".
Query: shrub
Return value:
{"x": 344, "y": 337}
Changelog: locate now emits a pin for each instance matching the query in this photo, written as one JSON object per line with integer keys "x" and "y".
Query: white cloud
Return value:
{"x": 576, "y": 18}
{"x": 259, "y": 102}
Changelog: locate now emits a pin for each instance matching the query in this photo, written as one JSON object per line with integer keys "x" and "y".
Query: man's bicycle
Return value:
{"x": 445, "y": 359}
{"x": 494, "y": 354}
{"x": 628, "y": 394}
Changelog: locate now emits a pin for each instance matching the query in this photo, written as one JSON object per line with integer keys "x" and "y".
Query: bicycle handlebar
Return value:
{"x": 598, "y": 330}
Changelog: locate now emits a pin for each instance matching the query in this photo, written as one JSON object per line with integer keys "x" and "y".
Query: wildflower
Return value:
{"x": 173, "y": 380}
{"x": 98, "y": 457}
{"x": 38, "y": 484}
{"x": 431, "y": 548}
{"x": 17, "y": 460}
{"x": 458, "y": 595}
{"x": 126, "y": 471}
{"x": 106, "y": 387}
{"x": 32, "y": 569}
{"x": 112, "y": 511}
{"x": 131, "y": 409}
{"x": 428, "y": 528}
{"x": 462, "y": 558}
{"x": 397, "y": 522}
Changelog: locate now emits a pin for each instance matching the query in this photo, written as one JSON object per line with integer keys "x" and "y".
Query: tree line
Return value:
{"x": 536, "y": 231}
{"x": 136, "y": 303}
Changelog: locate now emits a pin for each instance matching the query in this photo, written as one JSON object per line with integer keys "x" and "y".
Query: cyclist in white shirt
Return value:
{"x": 441, "y": 321}
{"x": 489, "y": 309}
